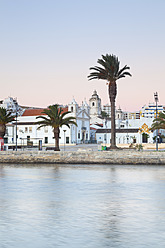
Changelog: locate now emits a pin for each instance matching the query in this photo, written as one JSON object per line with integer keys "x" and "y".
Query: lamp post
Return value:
{"x": 106, "y": 130}
{"x": 127, "y": 130}
{"x": 156, "y": 100}
{"x": 64, "y": 139}
{"x": 16, "y": 124}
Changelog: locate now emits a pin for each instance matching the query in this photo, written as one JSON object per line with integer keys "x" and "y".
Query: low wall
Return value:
{"x": 83, "y": 157}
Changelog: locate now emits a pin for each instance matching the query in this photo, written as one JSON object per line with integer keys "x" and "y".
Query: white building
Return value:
{"x": 131, "y": 115}
{"x": 149, "y": 111}
{"x": 93, "y": 129}
{"x": 130, "y": 127}
{"x": 11, "y": 105}
{"x": 28, "y": 132}
{"x": 128, "y": 131}
{"x": 118, "y": 112}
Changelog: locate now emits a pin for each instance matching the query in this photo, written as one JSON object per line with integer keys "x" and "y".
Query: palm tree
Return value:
{"x": 111, "y": 72}
{"x": 5, "y": 117}
{"x": 159, "y": 122}
{"x": 56, "y": 119}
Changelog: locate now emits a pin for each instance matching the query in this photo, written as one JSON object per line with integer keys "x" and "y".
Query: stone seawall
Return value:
{"x": 83, "y": 157}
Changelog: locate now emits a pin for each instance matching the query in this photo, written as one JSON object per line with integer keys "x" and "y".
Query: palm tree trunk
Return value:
{"x": 112, "y": 96}
{"x": 2, "y": 130}
{"x": 56, "y": 136}
{"x": 113, "y": 126}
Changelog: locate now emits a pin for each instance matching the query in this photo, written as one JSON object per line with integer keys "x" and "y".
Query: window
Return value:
{"x": 67, "y": 140}
{"x": 26, "y": 129}
{"x": 93, "y": 104}
{"x": 86, "y": 136}
{"x": 79, "y": 135}
{"x": 46, "y": 140}
{"x": 71, "y": 109}
{"x": 5, "y": 140}
{"x": 30, "y": 129}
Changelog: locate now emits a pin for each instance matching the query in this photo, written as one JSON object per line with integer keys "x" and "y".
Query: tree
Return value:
{"x": 56, "y": 118}
{"x": 104, "y": 114}
{"x": 111, "y": 72}
{"x": 5, "y": 117}
{"x": 159, "y": 122}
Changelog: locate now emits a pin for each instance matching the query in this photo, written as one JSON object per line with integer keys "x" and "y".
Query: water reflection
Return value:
{"x": 82, "y": 206}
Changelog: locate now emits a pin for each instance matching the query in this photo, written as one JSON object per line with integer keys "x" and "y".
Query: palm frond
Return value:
{"x": 109, "y": 69}
{"x": 5, "y": 116}
{"x": 159, "y": 122}
{"x": 124, "y": 74}
{"x": 55, "y": 117}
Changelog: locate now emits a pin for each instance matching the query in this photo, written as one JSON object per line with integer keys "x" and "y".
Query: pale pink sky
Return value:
{"x": 47, "y": 47}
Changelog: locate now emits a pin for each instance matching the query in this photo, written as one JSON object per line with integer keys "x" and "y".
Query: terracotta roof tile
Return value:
{"x": 37, "y": 112}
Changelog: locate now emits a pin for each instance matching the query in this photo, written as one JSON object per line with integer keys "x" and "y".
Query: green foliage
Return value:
{"x": 104, "y": 114}
{"x": 5, "y": 117}
{"x": 159, "y": 122}
{"x": 160, "y": 136}
{"x": 146, "y": 135}
{"x": 139, "y": 147}
{"x": 109, "y": 69}
{"x": 55, "y": 118}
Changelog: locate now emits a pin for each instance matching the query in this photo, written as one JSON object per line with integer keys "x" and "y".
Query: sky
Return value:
{"x": 48, "y": 46}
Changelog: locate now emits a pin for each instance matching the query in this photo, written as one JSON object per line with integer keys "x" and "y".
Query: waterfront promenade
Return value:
{"x": 84, "y": 155}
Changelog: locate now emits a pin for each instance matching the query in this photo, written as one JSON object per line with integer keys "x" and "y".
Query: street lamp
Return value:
{"x": 127, "y": 131}
{"x": 64, "y": 138}
{"x": 106, "y": 130}
{"x": 16, "y": 104}
{"x": 156, "y": 100}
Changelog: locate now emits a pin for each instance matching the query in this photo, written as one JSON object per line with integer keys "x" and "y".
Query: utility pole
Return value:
{"x": 16, "y": 124}
{"x": 156, "y": 100}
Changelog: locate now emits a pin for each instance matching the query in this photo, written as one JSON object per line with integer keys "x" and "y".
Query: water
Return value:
{"x": 92, "y": 206}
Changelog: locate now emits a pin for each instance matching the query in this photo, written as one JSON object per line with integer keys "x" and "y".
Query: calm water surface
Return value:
{"x": 82, "y": 206}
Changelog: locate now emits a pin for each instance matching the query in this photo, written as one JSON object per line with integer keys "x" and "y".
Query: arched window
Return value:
{"x": 71, "y": 109}
{"x": 93, "y": 104}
